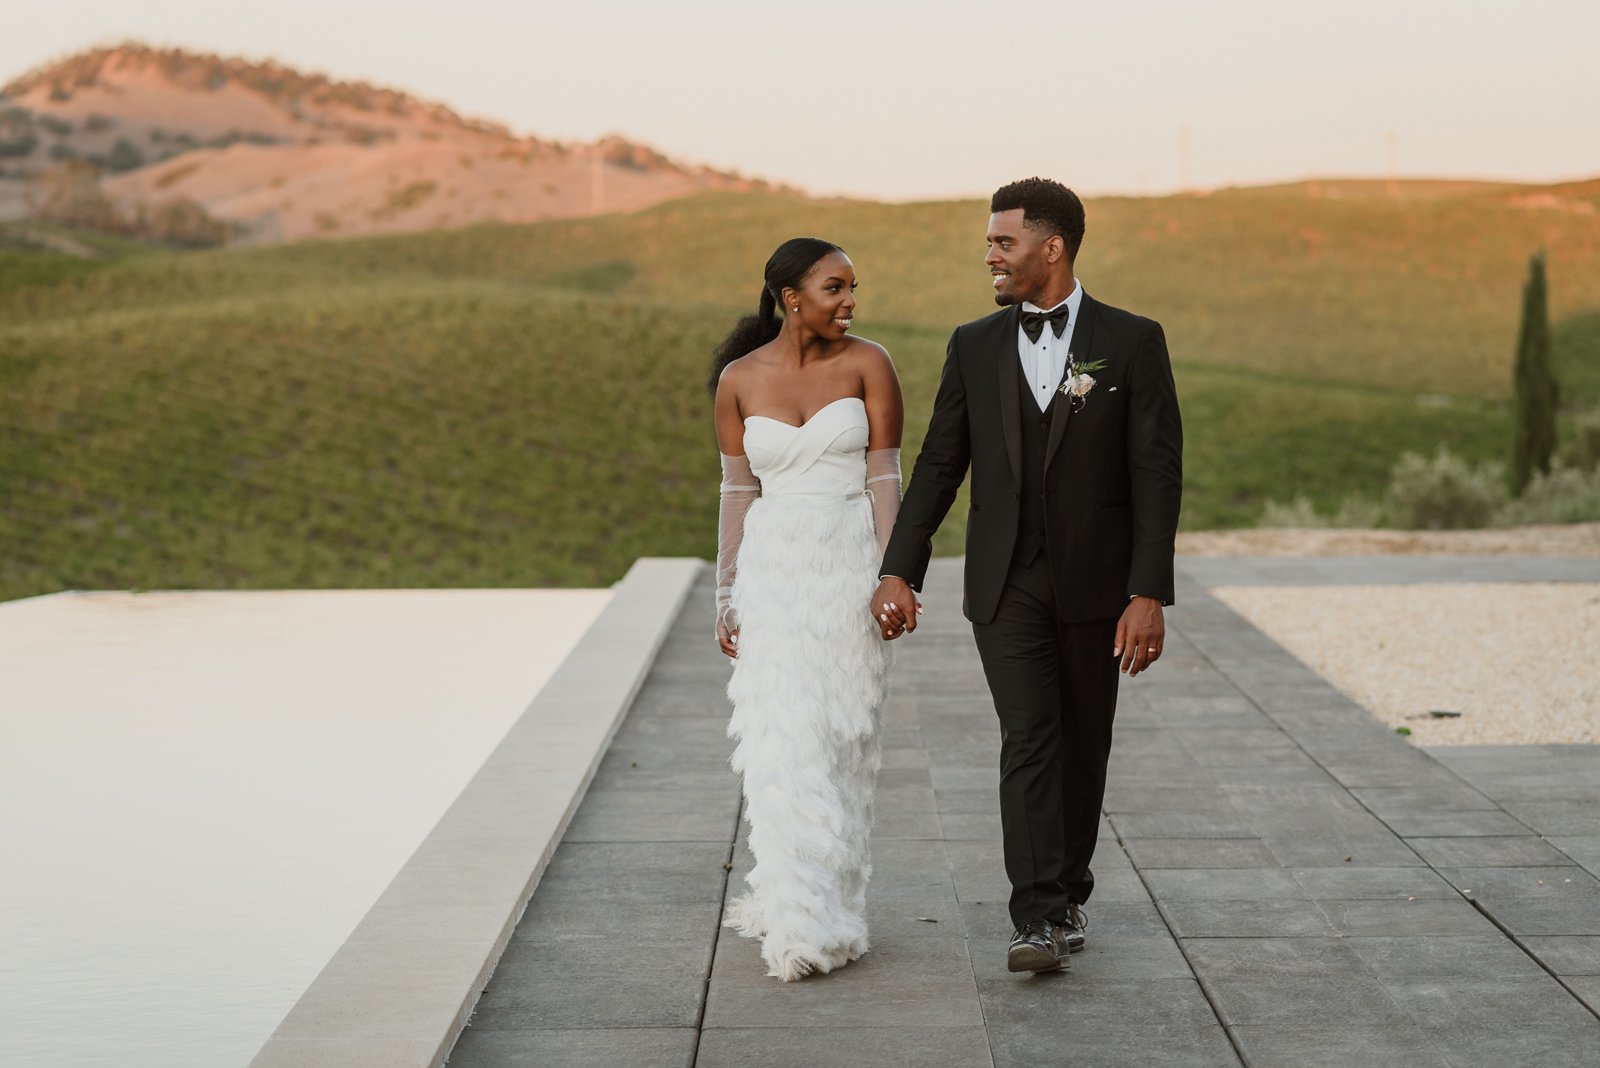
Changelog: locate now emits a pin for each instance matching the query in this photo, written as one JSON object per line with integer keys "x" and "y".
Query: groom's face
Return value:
{"x": 1019, "y": 258}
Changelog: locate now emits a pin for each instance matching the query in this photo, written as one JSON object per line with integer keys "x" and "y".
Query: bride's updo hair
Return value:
{"x": 786, "y": 268}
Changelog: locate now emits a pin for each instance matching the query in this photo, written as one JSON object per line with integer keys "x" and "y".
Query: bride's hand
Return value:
{"x": 728, "y": 633}
{"x": 895, "y": 607}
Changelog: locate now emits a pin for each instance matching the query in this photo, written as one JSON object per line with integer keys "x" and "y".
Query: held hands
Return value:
{"x": 894, "y": 607}
{"x": 1141, "y": 634}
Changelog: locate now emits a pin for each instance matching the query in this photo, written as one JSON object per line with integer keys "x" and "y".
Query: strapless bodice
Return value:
{"x": 823, "y": 457}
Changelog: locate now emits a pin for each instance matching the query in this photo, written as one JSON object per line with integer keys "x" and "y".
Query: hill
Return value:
{"x": 522, "y": 405}
{"x": 287, "y": 154}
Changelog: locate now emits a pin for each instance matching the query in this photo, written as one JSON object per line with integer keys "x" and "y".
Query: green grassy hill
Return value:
{"x": 523, "y": 405}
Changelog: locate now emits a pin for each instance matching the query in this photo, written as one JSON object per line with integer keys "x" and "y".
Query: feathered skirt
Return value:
{"x": 807, "y": 690}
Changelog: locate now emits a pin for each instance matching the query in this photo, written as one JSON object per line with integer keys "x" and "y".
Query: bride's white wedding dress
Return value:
{"x": 809, "y": 682}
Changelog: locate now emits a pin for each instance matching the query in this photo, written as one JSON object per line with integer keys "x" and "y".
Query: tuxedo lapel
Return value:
{"x": 1078, "y": 349}
{"x": 1009, "y": 370}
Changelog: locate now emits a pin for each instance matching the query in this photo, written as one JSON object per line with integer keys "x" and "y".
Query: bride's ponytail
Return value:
{"x": 786, "y": 268}
{"x": 748, "y": 334}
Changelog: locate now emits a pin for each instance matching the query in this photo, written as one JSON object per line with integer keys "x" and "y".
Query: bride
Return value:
{"x": 808, "y": 422}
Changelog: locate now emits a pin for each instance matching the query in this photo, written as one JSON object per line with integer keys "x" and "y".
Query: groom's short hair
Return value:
{"x": 1045, "y": 204}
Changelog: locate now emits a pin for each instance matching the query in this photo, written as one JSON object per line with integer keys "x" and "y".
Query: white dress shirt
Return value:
{"x": 1044, "y": 362}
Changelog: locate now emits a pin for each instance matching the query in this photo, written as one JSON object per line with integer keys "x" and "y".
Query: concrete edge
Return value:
{"x": 401, "y": 988}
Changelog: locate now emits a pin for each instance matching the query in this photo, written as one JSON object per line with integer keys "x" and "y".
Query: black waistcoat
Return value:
{"x": 1031, "y": 532}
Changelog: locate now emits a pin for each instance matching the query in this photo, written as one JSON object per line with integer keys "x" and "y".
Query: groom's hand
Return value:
{"x": 1141, "y": 635}
{"x": 895, "y": 607}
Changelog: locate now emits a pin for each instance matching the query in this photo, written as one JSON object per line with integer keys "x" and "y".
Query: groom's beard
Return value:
{"x": 1005, "y": 301}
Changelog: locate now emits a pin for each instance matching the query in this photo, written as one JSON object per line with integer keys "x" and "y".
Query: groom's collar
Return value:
{"x": 1073, "y": 302}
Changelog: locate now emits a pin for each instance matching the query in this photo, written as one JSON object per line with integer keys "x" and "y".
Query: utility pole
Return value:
{"x": 1184, "y": 159}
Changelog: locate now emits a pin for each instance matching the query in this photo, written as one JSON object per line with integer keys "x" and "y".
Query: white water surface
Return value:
{"x": 201, "y": 794}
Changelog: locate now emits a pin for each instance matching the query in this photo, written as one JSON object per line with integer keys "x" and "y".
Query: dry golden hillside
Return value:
{"x": 288, "y": 154}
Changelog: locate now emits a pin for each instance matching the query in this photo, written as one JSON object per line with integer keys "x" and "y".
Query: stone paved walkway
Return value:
{"x": 1280, "y": 881}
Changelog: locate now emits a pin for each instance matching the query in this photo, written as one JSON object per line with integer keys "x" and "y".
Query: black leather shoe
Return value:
{"x": 1074, "y": 926}
{"x": 1038, "y": 946}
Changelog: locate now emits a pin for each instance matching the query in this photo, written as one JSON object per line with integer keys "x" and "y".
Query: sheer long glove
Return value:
{"x": 883, "y": 486}
{"x": 740, "y": 488}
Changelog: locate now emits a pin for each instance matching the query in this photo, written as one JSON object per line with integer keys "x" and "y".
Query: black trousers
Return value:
{"x": 1055, "y": 692}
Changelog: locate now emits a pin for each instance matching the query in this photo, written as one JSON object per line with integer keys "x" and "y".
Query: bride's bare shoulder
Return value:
{"x": 869, "y": 351}
{"x": 739, "y": 372}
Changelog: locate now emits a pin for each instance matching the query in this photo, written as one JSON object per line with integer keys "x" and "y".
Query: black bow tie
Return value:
{"x": 1033, "y": 322}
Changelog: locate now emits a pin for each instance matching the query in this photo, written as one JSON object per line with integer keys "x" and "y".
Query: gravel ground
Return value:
{"x": 1517, "y": 660}
{"x": 1570, "y": 539}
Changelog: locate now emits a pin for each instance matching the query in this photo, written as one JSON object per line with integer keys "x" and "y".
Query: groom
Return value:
{"x": 1065, "y": 411}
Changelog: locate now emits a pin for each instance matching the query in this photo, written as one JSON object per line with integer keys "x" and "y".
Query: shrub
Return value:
{"x": 70, "y": 194}
{"x": 1565, "y": 495}
{"x": 1354, "y": 512}
{"x": 22, "y": 146}
{"x": 1296, "y": 515}
{"x": 15, "y": 124}
{"x": 1584, "y": 452}
{"x": 1361, "y": 513}
{"x": 125, "y": 156}
{"x": 181, "y": 222}
{"x": 1444, "y": 493}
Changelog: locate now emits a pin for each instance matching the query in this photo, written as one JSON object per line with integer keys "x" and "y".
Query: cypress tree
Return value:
{"x": 1535, "y": 383}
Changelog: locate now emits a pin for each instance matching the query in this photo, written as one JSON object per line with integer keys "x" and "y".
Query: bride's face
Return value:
{"x": 825, "y": 303}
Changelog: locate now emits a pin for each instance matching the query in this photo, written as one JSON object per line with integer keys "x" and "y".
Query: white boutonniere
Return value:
{"x": 1079, "y": 380}
{"x": 1078, "y": 385}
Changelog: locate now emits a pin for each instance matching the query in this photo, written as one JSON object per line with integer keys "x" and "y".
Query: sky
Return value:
{"x": 903, "y": 100}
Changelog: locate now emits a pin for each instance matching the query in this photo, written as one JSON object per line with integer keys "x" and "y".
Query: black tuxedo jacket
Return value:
{"x": 1113, "y": 474}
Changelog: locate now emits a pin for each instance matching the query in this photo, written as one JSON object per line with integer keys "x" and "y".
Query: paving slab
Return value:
{"x": 1517, "y": 851}
{"x": 637, "y": 1047}
{"x": 1421, "y": 956}
{"x": 1279, "y": 881}
{"x": 1288, "y": 1001}
{"x": 1586, "y": 988}
{"x": 1583, "y": 849}
{"x": 1325, "y": 1043}
{"x": 1222, "y": 884}
{"x": 1350, "y": 883}
{"x": 882, "y": 1047}
{"x": 1568, "y": 954}
{"x": 1228, "y": 958}
{"x": 1500, "y": 1020}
